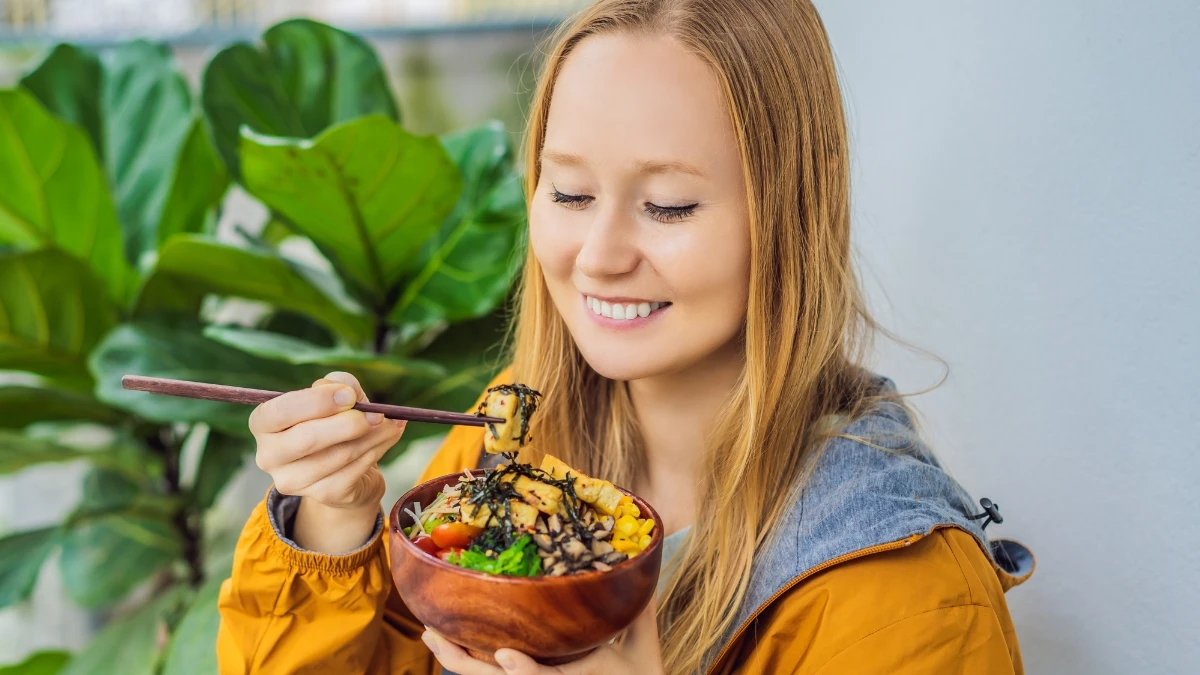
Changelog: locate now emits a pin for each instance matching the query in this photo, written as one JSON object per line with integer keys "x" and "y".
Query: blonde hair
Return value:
{"x": 806, "y": 325}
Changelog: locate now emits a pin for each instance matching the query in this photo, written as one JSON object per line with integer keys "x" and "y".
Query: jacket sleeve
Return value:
{"x": 285, "y": 610}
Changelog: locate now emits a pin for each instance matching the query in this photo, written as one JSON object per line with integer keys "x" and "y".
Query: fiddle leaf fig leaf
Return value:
{"x": 54, "y": 312}
{"x": 467, "y": 267}
{"x": 367, "y": 192}
{"x": 304, "y": 78}
{"x": 55, "y": 194}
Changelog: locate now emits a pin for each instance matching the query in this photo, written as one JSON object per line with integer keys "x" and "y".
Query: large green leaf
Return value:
{"x": 467, "y": 267}
{"x": 147, "y": 120}
{"x": 163, "y": 292}
{"x": 223, "y": 457}
{"x": 22, "y": 405}
{"x": 197, "y": 186}
{"x": 138, "y": 111}
{"x": 52, "y": 312}
{"x": 21, "y": 557}
{"x": 181, "y": 352}
{"x": 55, "y": 194}
{"x": 470, "y": 352}
{"x": 68, "y": 82}
{"x": 130, "y": 645}
{"x": 39, "y": 663}
{"x": 256, "y": 275}
{"x": 104, "y": 558}
{"x": 192, "y": 649}
{"x": 366, "y": 192}
{"x": 18, "y": 451}
{"x": 375, "y": 372}
{"x": 105, "y": 490}
{"x": 306, "y": 76}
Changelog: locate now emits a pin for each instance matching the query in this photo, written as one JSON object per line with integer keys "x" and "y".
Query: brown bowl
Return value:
{"x": 552, "y": 619}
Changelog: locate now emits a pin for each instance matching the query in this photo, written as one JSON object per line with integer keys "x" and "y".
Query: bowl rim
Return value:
{"x": 394, "y": 528}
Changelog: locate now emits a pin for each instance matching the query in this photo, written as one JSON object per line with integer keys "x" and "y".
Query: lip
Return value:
{"x": 620, "y": 325}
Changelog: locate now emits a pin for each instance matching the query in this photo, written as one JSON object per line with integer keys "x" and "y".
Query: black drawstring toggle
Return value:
{"x": 990, "y": 511}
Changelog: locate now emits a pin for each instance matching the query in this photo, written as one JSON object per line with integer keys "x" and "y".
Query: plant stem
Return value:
{"x": 184, "y": 519}
{"x": 381, "y": 334}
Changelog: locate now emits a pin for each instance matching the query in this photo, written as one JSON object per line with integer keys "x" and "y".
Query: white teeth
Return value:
{"x": 622, "y": 312}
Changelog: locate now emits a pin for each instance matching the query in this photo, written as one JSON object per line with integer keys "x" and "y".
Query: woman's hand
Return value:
{"x": 637, "y": 653}
{"x": 316, "y": 446}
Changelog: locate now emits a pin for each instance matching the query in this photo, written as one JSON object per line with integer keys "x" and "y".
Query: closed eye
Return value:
{"x": 570, "y": 201}
{"x": 670, "y": 214}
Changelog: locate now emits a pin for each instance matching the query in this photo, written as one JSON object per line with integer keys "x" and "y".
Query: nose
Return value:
{"x": 610, "y": 247}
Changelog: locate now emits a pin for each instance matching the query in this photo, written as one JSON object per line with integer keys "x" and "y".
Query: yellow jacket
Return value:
{"x": 930, "y": 602}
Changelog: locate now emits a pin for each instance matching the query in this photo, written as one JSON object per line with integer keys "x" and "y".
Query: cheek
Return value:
{"x": 711, "y": 278}
{"x": 552, "y": 245}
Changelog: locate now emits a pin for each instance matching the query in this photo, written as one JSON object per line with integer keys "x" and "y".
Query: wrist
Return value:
{"x": 334, "y": 530}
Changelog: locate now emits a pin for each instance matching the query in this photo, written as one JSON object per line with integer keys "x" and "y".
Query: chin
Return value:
{"x": 626, "y": 364}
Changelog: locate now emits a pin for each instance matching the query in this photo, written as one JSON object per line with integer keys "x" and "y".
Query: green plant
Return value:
{"x": 111, "y": 264}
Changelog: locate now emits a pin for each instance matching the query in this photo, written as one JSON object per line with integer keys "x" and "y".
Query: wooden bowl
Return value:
{"x": 552, "y": 619}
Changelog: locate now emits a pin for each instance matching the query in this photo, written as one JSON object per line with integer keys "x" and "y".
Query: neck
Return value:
{"x": 674, "y": 413}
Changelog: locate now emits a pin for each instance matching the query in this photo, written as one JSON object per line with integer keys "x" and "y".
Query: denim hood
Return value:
{"x": 859, "y": 496}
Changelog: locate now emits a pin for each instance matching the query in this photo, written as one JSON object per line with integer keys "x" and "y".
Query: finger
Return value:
{"x": 455, "y": 658}
{"x": 339, "y": 377}
{"x": 293, "y": 477}
{"x": 312, "y": 436}
{"x": 348, "y": 380}
{"x": 516, "y": 663}
{"x": 344, "y": 479}
{"x": 289, "y": 409}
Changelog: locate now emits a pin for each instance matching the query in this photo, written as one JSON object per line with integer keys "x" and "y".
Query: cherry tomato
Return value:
{"x": 445, "y": 553}
{"x": 427, "y": 544}
{"x": 454, "y": 535}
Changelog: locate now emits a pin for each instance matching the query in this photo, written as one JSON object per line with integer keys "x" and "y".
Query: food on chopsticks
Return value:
{"x": 517, "y": 520}
{"x": 515, "y": 403}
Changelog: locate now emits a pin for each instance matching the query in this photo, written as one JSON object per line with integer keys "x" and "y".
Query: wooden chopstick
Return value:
{"x": 220, "y": 392}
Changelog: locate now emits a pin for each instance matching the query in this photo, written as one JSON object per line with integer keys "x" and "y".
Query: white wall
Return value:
{"x": 1028, "y": 198}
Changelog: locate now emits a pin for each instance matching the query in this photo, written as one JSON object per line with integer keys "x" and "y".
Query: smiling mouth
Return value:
{"x": 623, "y": 311}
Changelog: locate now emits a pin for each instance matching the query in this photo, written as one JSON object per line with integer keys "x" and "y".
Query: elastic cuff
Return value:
{"x": 281, "y": 515}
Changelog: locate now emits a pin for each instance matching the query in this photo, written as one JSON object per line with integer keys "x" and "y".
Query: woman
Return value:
{"x": 690, "y": 312}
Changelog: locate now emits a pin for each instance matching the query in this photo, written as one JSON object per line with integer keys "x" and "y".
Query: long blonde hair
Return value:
{"x": 806, "y": 324}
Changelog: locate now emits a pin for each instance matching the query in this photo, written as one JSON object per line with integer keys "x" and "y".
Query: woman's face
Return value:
{"x": 640, "y": 220}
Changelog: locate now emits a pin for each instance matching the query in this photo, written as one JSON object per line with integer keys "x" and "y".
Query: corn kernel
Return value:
{"x": 643, "y": 541}
{"x": 625, "y": 546}
{"x": 633, "y": 510}
{"x": 647, "y": 527}
{"x": 626, "y": 526}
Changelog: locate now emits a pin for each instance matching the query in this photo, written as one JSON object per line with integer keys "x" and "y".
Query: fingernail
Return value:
{"x": 400, "y": 424}
{"x": 430, "y": 642}
{"x": 506, "y": 661}
{"x": 374, "y": 418}
{"x": 343, "y": 397}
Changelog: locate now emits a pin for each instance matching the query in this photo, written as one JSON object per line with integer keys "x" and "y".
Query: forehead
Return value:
{"x": 628, "y": 98}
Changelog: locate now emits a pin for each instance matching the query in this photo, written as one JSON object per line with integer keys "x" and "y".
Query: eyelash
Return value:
{"x": 664, "y": 214}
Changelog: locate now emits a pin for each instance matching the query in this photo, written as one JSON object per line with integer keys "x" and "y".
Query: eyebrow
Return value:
{"x": 644, "y": 166}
